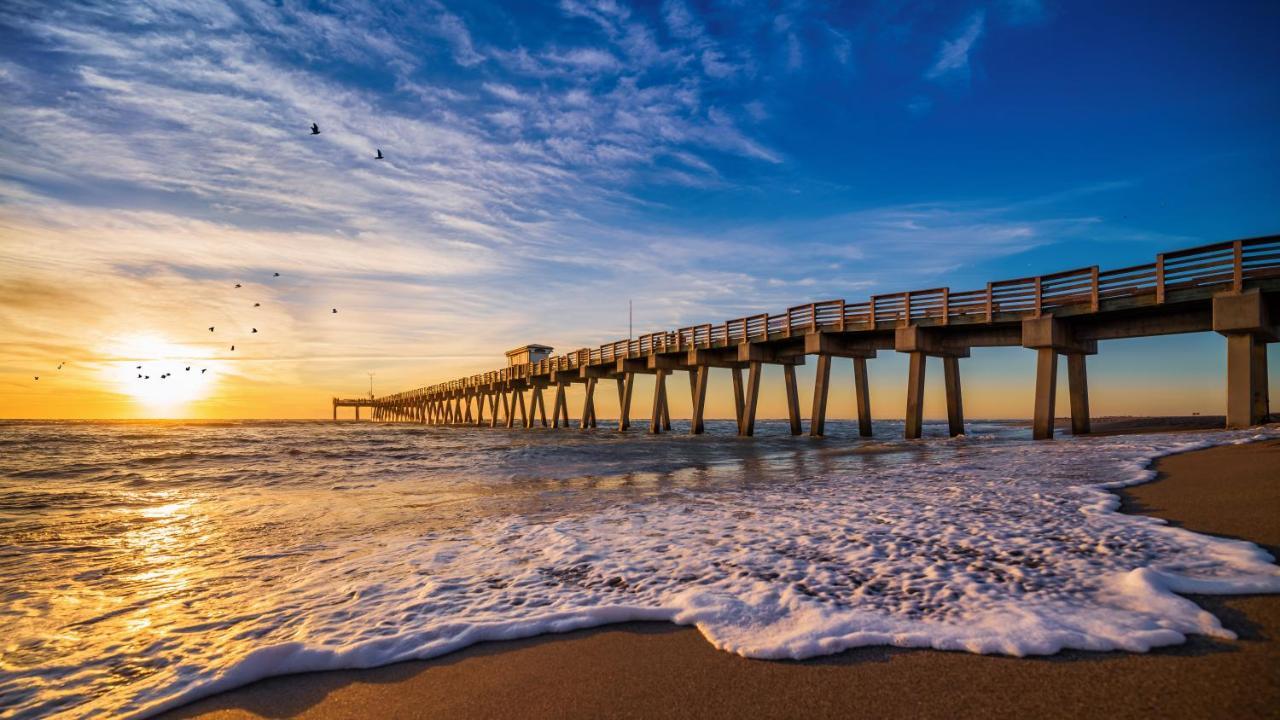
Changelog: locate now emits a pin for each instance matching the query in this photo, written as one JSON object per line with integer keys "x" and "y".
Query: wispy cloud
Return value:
{"x": 953, "y": 57}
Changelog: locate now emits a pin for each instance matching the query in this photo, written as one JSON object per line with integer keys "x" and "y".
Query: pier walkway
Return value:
{"x": 1232, "y": 288}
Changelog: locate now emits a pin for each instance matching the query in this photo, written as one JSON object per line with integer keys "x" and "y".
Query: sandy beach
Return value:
{"x": 660, "y": 670}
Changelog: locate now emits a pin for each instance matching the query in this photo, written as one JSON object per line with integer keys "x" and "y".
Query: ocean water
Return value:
{"x": 143, "y": 565}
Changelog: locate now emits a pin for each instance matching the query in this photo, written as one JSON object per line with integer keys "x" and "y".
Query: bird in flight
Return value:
{"x": 202, "y": 370}
{"x": 233, "y": 348}
{"x": 379, "y": 157}
{"x": 210, "y": 328}
{"x": 64, "y": 362}
{"x": 315, "y": 129}
{"x": 37, "y": 377}
{"x": 139, "y": 376}
{"x": 237, "y": 284}
{"x": 188, "y": 368}
{"x": 257, "y": 304}
{"x": 255, "y": 330}
{"x": 275, "y": 275}
{"x": 335, "y": 311}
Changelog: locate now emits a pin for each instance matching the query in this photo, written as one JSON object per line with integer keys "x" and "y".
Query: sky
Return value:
{"x": 547, "y": 163}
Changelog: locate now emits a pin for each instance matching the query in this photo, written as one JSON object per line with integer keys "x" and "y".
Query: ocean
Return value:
{"x": 145, "y": 564}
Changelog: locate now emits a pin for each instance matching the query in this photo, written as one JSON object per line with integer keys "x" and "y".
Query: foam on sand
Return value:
{"x": 985, "y": 546}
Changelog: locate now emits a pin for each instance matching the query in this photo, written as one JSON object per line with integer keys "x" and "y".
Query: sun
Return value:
{"x": 162, "y": 377}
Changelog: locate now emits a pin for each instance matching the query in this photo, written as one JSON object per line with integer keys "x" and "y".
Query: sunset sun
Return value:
{"x": 163, "y": 378}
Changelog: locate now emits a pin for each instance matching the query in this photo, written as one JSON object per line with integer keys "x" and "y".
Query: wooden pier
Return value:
{"x": 1232, "y": 288}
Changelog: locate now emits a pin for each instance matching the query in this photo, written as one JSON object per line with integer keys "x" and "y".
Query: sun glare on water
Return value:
{"x": 163, "y": 378}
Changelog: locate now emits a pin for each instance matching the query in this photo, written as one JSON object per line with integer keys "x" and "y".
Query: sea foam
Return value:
{"x": 985, "y": 544}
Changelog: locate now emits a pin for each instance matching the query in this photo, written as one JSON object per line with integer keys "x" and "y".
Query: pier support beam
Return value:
{"x": 1050, "y": 337}
{"x": 696, "y": 426}
{"x": 915, "y": 395}
{"x": 747, "y": 427}
{"x": 955, "y": 405}
{"x": 659, "y": 402}
{"x": 537, "y": 407}
{"x": 589, "y": 406}
{"x": 625, "y": 384}
{"x": 737, "y": 395}
{"x": 1046, "y": 392}
{"x": 862, "y": 394}
{"x": 1246, "y": 322}
{"x": 821, "y": 381}
{"x": 560, "y": 409}
{"x": 1078, "y": 386}
{"x": 793, "y": 398}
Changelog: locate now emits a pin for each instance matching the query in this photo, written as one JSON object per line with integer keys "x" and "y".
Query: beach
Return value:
{"x": 661, "y": 670}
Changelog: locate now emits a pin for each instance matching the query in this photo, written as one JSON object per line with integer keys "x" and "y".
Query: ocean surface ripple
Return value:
{"x": 143, "y": 565}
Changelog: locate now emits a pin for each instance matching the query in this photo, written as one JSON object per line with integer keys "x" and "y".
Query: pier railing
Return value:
{"x": 1220, "y": 266}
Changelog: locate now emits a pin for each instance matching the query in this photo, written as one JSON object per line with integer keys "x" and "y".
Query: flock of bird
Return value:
{"x": 315, "y": 130}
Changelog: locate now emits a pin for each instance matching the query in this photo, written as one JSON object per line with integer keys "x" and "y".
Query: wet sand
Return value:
{"x": 656, "y": 670}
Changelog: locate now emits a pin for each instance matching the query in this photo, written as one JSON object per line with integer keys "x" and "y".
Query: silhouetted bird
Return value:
{"x": 255, "y": 330}
{"x": 210, "y": 328}
{"x": 315, "y": 129}
{"x": 257, "y": 304}
{"x": 335, "y": 311}
{"x": 138, "y": 368}
{"x": 275, "y": 275}
{"x": 146, "y": 377}
{"x": 379, "y": 157}
{"x": 203, "y": 370}
{"x": 139, "y": 376}
{"x": 188, "y": 368}
{"x": 37, "y": 377}
{"x": 233, "y": 348}
{"x": 237, "y": 284}
{"x": 61, "y": 364}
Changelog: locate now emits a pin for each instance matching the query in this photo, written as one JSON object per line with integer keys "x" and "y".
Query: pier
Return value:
{"x": 1231, "y": 288}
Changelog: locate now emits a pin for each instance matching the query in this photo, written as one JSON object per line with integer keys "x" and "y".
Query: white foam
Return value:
{"x": 993, "y": 547}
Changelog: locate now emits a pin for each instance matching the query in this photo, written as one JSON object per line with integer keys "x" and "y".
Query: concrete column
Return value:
{"x": 666, "y": 406}
{"x": 1046, "y": 392}
{"x": 793, "y": 397}
{"x": 863, "y": 396}
{"x": 540, "y": 402}
{"x": 1247, "y": 401}
{"x": 747, "y": 427}
{"x": 915, "y": 395}
{"x": 737, "y": 395}
{"x": 558, "y": 408}
{"x": 625, "y": 384}
{"x": 821, "y": 381}
{"x": 696, "y": 425}
{"x": 955, "y": 405}
{"x": 1078, "y": 386}
{"x": 588, "y": 405}
{"x": 659, "y": 402}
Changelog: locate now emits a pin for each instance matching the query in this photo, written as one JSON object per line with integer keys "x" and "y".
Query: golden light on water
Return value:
{"x": 161, "y": 377}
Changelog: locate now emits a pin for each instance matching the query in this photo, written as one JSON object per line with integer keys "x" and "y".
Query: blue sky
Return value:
{"x": 546, "y": 162}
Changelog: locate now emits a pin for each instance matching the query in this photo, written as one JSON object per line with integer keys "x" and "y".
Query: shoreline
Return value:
{"x": 657, "y": 669}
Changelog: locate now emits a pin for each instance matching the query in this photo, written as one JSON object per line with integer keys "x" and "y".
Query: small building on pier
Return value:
{"x": 526, "y": 354}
